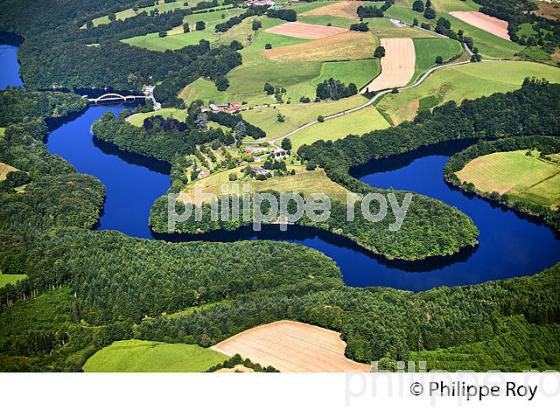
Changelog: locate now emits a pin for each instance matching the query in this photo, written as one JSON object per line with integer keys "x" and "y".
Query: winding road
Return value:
{"x": 376, "y": 97}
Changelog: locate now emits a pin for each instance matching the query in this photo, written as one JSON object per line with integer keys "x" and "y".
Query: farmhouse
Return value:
{"x": 229, "y": 107}
{"x": 259, "y": 3}
{"x": 280, "y": 153}
{"x": 260, "y": 171}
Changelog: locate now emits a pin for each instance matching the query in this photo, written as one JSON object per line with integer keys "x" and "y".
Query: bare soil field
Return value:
{"x": 5, "y": 169}
{"x": 350, "y": 45}
{"x": 548, "y": 10}
{"x": 304, "y": 30}
{"x": 398, "y": 65}
{"x": 292, "y": 347}
{"x": 484, "y": 22}
{"x": 344, "y": 9}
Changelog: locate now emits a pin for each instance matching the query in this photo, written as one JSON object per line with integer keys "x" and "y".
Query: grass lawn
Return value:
{"x": 306, "y": 182}
{"x": 138, "y": 119}
{"x": 427, "y": 49}
{"x": 357, "y": 123}
{"x": 517, "y": 174}
{"x": 467, "y": 81}
{"x": 148, "y": 356}
{"x": 296, "y": 114}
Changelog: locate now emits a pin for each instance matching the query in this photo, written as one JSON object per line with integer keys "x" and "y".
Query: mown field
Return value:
{"x": 427, "y": 49}
{"x": 462, "y": 82}
{"x": 306, "y": 182}
{"x": 148, "y": 356}
{"x": 138, "y": 119}
{"x": 5, "y": 169}
{"x": 516, "y": 174}
{"x": 357, "y": 123}
{"x": 296, "y": 115}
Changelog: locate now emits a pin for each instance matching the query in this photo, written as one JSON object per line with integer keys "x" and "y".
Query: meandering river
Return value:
{"x": 510, "y": 245}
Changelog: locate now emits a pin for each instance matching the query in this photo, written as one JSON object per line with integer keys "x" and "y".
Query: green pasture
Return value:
{"x": 148, "y": 356}
{"x": 427, "y": 49}
{"x": 462, "y": 82}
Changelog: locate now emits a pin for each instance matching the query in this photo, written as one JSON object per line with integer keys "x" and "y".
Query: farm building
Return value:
{"x": 259, "y": 3}
{"x": 229, "y": 107}
{"x": 260, "y": 171}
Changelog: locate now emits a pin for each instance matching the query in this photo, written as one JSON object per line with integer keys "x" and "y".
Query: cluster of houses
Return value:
{"x": 259, "y": 3}
{"x": 230, "y": 108}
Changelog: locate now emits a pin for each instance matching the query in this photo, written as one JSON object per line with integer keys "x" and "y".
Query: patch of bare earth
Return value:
{"x": 398, "y": 65}
{"x": 484, "y": 22}
{"x": 351, "y": 45}
{"x": 304, "y": 30}
{"x": 292, "y": 347}
{"x": 344, "y": 9}
{"x": 548, "y": 10}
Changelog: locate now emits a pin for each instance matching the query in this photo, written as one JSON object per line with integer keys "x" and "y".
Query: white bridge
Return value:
{"x": 118, "y": 98}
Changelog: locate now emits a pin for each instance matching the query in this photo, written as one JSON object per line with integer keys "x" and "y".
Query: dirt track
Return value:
{"x": 304, "y": 30}
{"x": 484, "y": 22}
{"x": 397, "y": 67}
{"x": 292, "y": 347}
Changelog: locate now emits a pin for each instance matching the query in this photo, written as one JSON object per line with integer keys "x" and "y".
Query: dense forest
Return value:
{"x": 58, "y": 54}
{"x": 545, "y": 145}
{"x": 86, "y": 288}
{"x": 163, "y": 139}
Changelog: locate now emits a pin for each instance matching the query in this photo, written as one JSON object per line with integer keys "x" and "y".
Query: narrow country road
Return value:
{"x": 375, "y": 98}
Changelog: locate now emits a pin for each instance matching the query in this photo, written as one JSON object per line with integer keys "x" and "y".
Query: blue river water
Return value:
{"x": 510, "y": 245}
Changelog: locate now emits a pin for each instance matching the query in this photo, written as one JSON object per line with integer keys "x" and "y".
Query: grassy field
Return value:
{"x": 247, "y": 81}
{"x": 516, "y": 174}
{"x": 427, "y": 49}
{"x": 177, "y": 39}
{"x": 467, "y": 81}
{"x": 148, "y": 356}
{"x": 357, "y": 123}
{"x": 2, "y": 131}
{"x": 162, "y": 8}
{"x": 488, "y": 44}
{"x": 520, "y": 346}
{"x": 154, "y": 42}
{"x": 306, "y": 182}
{"x": 296, "y": 114}
{"x": 138, "y": 119}
{"x": 6, "y": 279}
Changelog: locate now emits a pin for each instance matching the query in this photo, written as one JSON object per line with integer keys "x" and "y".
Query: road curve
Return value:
{"x": 375, "y": 98}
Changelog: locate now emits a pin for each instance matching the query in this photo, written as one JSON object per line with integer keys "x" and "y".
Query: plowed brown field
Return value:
{"x": 484, "y": 22}
{"x": 292, "y": 347}
{"x": 304, "y": 30}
